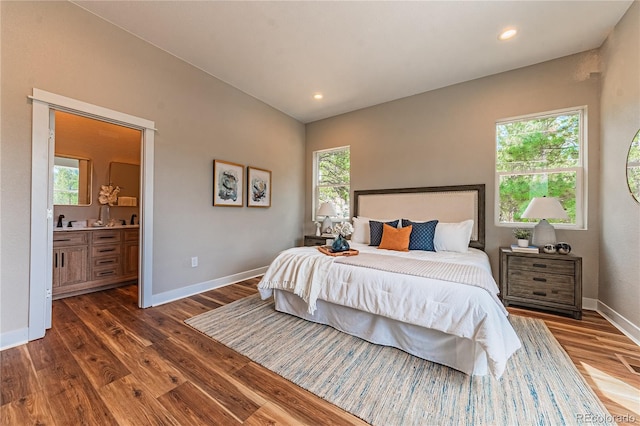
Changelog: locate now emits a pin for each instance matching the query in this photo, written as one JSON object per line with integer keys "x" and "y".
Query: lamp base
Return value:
{"x": 543, "y": 233}
{"x": 327, "y": 225}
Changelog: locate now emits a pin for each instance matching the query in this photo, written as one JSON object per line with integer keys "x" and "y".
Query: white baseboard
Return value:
{"x": 14, "y": 338}
{"x": 628, "y": 328}
{"x": 181, "y": 293}
{"x": 589, "y": 304}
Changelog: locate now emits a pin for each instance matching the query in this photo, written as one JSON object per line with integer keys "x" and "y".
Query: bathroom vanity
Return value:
{"x": 91, "y": 259}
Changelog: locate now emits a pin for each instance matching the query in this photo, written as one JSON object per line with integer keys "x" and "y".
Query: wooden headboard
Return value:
{"x": 445, "y": 203}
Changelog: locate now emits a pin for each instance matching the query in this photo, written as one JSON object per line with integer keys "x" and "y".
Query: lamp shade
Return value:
{"x": 545, "y": 208}
{"x": 327, "y": 209}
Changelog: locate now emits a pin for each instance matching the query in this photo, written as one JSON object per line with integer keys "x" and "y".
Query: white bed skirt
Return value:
{"x": 433, "y": 345}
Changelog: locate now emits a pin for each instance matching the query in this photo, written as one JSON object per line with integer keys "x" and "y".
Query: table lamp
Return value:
{"x": 544, "y": 208}
{"x": 327, "y": 210}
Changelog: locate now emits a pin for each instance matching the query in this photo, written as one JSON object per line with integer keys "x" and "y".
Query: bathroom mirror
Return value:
{"x": 633, "y": 167}
{"x": 127, "y": 177}
{"x": 71, "y": 181}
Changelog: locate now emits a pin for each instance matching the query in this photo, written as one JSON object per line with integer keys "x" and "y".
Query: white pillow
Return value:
{"x": 453, "y": 236}
{"x": 361, "y": 231}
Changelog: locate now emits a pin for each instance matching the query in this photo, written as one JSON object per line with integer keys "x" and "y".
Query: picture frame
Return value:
{"x": 258, "y": 187}
{"x": 228, "y": 184}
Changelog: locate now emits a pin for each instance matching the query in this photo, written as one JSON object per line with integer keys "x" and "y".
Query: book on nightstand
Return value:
{"x": 529, "y": 249}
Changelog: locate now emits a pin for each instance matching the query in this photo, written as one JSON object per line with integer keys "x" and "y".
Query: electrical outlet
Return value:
{"x": 194, "y": 262}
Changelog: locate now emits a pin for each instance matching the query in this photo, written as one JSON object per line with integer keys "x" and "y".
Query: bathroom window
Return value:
{"x": 71, "y": 181}
{"x": 332, "y": 174}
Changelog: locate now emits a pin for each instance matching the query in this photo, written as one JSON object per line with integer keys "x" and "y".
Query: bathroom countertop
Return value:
{"x": 94, "y": 228}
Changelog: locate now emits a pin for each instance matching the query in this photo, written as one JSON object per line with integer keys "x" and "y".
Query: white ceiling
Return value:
{"x": 359, "y": 53}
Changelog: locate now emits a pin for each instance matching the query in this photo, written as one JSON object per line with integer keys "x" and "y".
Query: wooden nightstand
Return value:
{"x": 551, "y": 282}
{"x": 314, "y": 240}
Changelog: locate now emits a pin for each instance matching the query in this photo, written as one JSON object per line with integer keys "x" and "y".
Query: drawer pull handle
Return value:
{"x": 539, "y": 265}
{"x": 105, "y": 262}
{"x": 106, "y": 250}
{"x": 63, "y": 239}
{"x": 107, "y": 237}
{"x": 542, "y": 280}
{"x": 540, "y": 293}
{"x": 105, "y": 273}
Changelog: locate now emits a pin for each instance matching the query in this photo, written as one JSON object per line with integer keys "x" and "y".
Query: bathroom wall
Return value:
{"x": 102, "y": 143}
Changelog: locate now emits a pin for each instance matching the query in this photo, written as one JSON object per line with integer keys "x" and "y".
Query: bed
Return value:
{"x": 438, "y": 300}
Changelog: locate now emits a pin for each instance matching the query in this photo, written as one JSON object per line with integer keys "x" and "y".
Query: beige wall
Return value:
{"x": 447, "y": 137}
{"x": 58, "y": 47}
{"x": 620, "y": 214}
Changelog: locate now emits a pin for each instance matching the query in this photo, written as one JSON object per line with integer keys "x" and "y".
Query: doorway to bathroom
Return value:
{"x": 95, "y": 188}
{"x": 45, "y": 107}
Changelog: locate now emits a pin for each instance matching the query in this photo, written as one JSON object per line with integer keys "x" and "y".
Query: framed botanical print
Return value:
{"x": 228, "y": 184}
{"x": 258, "y": 187}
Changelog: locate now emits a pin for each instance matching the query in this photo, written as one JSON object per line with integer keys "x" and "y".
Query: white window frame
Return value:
{"x": 316, "y": 186}
{"x": 580, "y": 170}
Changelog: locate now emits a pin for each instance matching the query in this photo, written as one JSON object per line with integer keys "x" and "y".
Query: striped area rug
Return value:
{"x": 386, "y": 386}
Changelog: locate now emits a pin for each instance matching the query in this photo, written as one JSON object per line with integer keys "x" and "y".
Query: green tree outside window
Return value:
{"x": 333, "y": 168}
{"x": 539, "y": 156}
{"x": 65, "y": 185}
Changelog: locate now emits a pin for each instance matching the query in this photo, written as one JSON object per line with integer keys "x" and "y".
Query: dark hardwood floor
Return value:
{"x": 107, "y": 362}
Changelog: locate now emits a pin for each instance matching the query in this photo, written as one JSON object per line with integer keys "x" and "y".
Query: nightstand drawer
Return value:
{"x": 549, "y": 292}
{"x": 313, "y": 240}
{"x": 543, "y": 265}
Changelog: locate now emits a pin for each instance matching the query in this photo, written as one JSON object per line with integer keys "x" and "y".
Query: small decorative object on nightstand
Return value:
{"x": 552, "y": 282}
{"x": 563, "y": 248}
{"x": 522, "y": 235}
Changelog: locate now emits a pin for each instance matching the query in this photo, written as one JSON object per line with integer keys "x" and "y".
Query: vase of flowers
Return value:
{"x": 343, "y": 229}
{"x": 522, "y": 235}
{"x": 108, "y": 196}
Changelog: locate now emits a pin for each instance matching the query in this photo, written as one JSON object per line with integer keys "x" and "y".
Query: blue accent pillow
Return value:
{"x": 422, "y": 234}
{"x": 375, "y": 231}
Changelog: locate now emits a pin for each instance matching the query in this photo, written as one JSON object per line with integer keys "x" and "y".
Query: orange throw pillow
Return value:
{"x": 395, "y": 238}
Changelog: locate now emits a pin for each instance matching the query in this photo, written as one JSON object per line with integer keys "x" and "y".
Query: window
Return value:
{"x": 331, "y": 180}
{"x": 541, "y": 155}
{"x": 71, "y": 181}
{"x": 66, "y": 176}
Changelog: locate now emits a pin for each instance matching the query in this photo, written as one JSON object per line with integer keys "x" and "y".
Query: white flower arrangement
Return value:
{"x": 108, "y": 194}
{"x": 343, "y": 228}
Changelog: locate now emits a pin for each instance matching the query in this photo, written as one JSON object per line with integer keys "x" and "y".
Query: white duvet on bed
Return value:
{"x": 462, "y": 310}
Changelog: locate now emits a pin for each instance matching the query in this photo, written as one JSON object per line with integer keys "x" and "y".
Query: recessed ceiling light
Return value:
{"x": 507, "y": 34}
{"x": 317, "y": 96}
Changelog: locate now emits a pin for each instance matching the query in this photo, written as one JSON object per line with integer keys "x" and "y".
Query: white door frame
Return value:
{"x": 40, "y": 278}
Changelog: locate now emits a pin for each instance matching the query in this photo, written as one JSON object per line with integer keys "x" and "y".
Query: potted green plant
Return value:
{"x": 522, "y": 235}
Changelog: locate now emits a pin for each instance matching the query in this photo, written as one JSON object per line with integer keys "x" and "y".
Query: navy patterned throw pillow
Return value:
{"x": 375, "y": 229}
{"x": 422, "y": 234}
